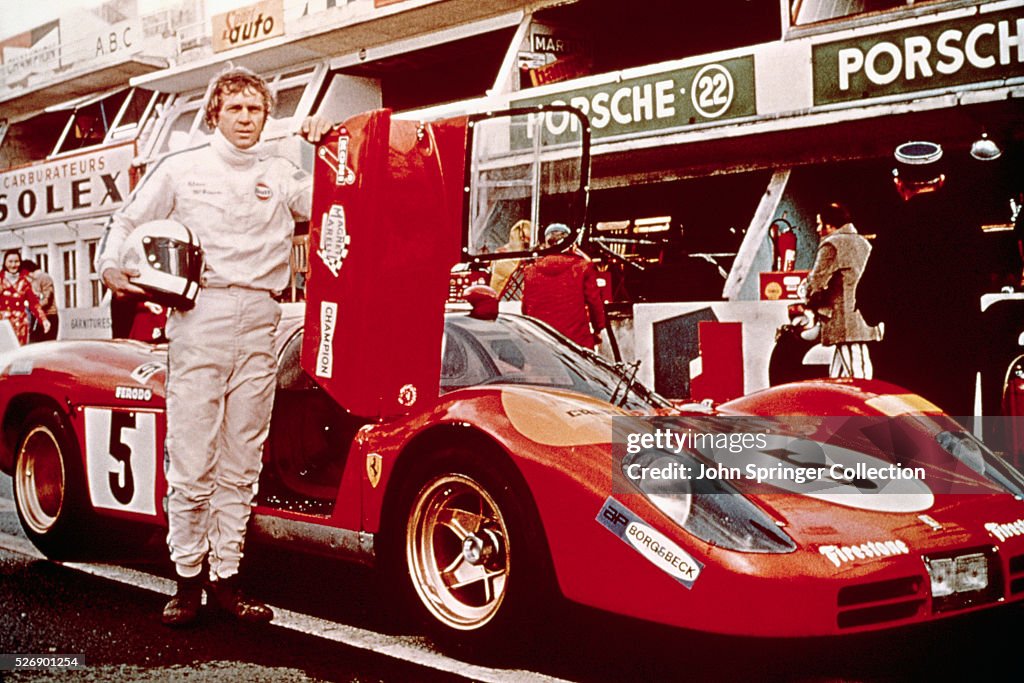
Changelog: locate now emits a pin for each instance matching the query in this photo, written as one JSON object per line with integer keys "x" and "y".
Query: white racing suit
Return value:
{"x": 221, "y": 362}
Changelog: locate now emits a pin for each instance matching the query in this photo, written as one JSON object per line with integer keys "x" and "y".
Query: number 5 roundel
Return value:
{"x": 120, "y": 454}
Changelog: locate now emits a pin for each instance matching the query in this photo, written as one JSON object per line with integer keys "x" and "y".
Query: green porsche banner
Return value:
{"x": 974, "y": 49}
{"x": 697, "y": 94}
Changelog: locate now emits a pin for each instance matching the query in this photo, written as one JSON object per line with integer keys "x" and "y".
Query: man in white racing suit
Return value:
{"x": 241, "y": 202}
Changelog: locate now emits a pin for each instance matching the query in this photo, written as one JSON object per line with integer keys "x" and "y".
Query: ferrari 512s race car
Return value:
{"x": 487, "y": 464}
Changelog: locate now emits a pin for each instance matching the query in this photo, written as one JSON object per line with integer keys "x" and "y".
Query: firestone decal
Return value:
{"x": 133, "y": 393}
{"x": 325, "y": 352}
{"x": 1007, "y": 530}
{"x": 334, "y": 239}
{"x": 839, "y": 555}
{"x": 650, "y": 543}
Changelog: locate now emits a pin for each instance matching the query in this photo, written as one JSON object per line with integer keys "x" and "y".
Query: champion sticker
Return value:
{"x": 325, "y": 352}
{"x": 654, "y": 546}
{"x": 334, "y": 239}
{"x": 263, "y": 192}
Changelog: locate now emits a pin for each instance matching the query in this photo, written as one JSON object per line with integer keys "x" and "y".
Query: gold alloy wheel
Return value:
{"x": 40, "y": 480}
{"x": 457, "y": 551}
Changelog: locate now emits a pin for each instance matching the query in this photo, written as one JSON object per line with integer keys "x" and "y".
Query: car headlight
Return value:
{"x": 711, "y": 510}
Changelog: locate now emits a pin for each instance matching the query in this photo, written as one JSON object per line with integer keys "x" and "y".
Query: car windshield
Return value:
{"x": 517, "y": 350}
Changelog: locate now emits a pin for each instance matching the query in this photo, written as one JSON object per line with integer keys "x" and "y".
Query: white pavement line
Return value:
{"x": 406, "y": 649}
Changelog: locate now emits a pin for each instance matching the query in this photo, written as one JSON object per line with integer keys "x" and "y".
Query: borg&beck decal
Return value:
{"x": 653, "y": 545}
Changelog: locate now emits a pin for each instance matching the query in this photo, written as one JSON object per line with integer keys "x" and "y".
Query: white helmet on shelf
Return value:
{"x": 169, "y": 259}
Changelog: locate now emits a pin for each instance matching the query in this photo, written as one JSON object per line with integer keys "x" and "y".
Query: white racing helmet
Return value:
{"x": 169, "y": 259}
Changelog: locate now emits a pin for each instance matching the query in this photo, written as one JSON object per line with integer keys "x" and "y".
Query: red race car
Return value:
{"x": 487, "y": 464}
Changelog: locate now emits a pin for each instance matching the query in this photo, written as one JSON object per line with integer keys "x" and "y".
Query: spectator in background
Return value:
{"x": 518, "y": 240}
{"x": 42, "y": 284}
{"x": 832, "y": 293}
{"x": 17, "y": 298}
{"x": 561, "y": 289}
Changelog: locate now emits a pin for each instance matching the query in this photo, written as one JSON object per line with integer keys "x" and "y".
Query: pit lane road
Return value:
{"x": 341, "y": 631}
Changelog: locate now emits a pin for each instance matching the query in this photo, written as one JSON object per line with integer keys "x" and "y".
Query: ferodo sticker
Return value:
{"x": 334, "y": 239}
{"x": 133, "y": 393}
{"x": 325, "y": 351}
{"x": 654, "y": 546}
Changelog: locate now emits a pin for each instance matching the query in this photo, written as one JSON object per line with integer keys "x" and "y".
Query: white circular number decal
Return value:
{"x": 712, "y": 91}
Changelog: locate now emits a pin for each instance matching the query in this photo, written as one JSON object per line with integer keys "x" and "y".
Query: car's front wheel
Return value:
{"x": 474, "y": 552}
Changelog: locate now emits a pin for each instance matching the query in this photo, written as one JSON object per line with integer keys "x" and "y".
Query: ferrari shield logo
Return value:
{"x": 373, "y": 468}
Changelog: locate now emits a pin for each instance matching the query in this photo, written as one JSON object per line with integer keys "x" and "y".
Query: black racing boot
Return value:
{"x": 183, "y": 608}
{"x": 226, "y": 594}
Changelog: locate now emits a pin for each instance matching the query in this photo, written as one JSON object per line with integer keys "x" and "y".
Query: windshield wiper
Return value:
{"x": 627, "y": 373}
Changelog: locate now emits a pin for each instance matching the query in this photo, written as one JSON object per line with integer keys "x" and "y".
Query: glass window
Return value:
{"x": 137, "y": 105}
{"x": 91, "y": 122}
{"x": 41, "y": 257}
{"x": 525, "y": 167}
{"x": 69, "y": 272}
{"x": 804, "y": 12}
{"x": 179, "y": 133}
{"x": 95, "y": 286}
{"x": 288, "y": 101}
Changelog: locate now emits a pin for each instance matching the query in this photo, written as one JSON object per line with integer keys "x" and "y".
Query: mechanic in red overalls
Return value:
{"x": 561, "y": 289}
{"x": 241, "y": 201}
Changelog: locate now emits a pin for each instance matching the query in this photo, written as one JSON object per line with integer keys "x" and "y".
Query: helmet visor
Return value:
{"x": 174, "y": 257}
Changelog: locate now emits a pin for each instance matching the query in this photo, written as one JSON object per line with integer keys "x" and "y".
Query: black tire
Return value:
{"x": 49, "y": 486}
{"x": 470, "y": 552}
{"x": 52, "y": 499}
